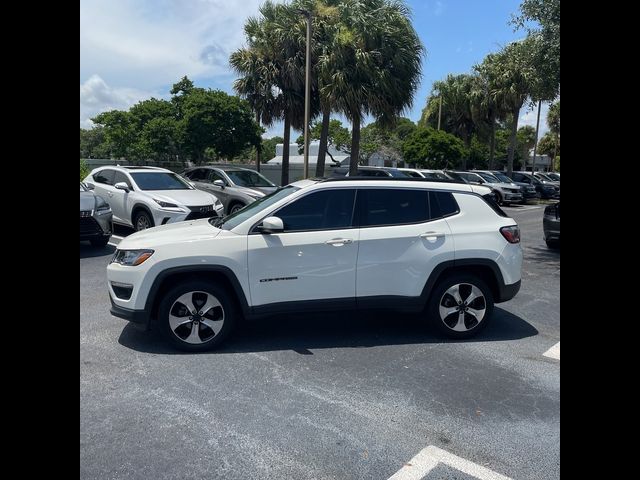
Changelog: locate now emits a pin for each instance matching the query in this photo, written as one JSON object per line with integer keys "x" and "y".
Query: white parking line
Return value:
{"x": 553, "y": 352}
{"x": 522, "y": 209}
{"x": 427, "y": 459}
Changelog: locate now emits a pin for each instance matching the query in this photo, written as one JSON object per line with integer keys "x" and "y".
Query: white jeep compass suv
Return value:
{"x": 438, "y": 248}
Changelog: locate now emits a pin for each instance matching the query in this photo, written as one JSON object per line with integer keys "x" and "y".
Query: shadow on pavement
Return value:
{"x": 88, "y": 251}
{"x": 303, "y": 333}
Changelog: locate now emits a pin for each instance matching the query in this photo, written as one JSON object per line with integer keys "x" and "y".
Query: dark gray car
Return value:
{"x": 235, "y": 187}
{"x": 95, "y": 217}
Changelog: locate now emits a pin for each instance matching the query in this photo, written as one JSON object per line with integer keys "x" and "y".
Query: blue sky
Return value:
{"x": 134, "y": 49}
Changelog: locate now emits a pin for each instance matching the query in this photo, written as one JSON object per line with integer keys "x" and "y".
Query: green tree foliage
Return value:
{"x": 548, "y": 145}
{"x": 269, "y": 147}
{"x": 430, "y": 148}
{"x": 385, "y": 139}
{"x": 553, "y": 117}
{"x": 338, "y": 135}
{"x": 93, "y": 143}
{"x": 84, "y": 169}
{"x": 526, "y": 138}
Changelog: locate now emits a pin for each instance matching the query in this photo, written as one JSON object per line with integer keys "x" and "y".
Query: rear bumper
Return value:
{"x": 507, "y": 292}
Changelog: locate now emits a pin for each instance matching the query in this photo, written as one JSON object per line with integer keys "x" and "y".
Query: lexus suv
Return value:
{"x": 95, "y": 217}
{"x": 505, "y": 193}
{"x": 235, "y": 187}
{"x": 528, "y": 190}
{"x": 436, "y": 248}
{"x": 143, "y": 197}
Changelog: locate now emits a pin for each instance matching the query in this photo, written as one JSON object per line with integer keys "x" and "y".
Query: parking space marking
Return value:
{"x": 553, "y": 352}
{"x": 522, "y": 209}
{"x": 426, "y": 460}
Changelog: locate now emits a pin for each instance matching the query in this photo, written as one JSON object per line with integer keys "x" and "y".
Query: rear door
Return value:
{"x": 403, "y": 237}
{"x": 314, "y": 258}
{"x": 104, "y": 183}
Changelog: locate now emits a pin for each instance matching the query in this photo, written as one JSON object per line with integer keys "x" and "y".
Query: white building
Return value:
{"x": 298, "y": 158}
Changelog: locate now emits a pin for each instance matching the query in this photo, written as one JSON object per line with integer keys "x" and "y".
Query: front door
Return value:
{"x": 314, "y": 258}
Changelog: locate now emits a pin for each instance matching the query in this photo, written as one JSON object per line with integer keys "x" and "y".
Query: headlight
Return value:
{"x": 131, "y": 258}
{"x": 165, "y": 204}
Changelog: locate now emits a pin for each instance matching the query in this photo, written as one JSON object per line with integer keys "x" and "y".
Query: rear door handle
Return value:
{"x": 431, "y": 235}
{"x": 339, "y": 242}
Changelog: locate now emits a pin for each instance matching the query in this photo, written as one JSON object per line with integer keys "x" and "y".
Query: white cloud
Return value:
{"x": 96, "y": 97}
{"x": 147, "y": 45}
{"x": 528, "y": 117}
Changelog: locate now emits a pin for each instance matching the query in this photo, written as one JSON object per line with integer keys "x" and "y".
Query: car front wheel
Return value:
{"x": 235, "y": 207}
{"x": 197, "y": 316}
{"x": 142, "y": 221}
{"x": 460, "y": 306}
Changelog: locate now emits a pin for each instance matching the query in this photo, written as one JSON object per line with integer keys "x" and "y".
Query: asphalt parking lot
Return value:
{"x": 340, "y": 396}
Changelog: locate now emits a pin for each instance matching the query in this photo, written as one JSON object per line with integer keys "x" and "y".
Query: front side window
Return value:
{"x": 324, "y": 210}
{"x": 213, "y": 176}
{"x": 390, "y": 206}
{"x": 121, "y": 177}
{"x": 160, "y": 181}
{"x": 104, "y": 176}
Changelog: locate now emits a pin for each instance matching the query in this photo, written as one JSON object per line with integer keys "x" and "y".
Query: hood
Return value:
{"x": 190, "y": 198}
{"x": 171, "y": 233}
{"x": 479, "y": 189}
{"x": 523, "y": 185}
{"x": 87, "y": 201}
{"x": 264, "y": 190}
{"x": 505, "y": 185}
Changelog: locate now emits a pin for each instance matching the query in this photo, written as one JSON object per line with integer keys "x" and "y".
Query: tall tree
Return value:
{"x": 372, "y": 65}
{"x": 526, "y": 138}
{"x": 430, "y": 148}
{"x": 511, "y": 77}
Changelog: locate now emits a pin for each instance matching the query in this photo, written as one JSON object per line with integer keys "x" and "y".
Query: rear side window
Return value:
{"x": 104, "y": 176}
{"x": 324, "y": 210}
{"x": 197, "y": 175}
{"x": 443, "y": 204}
{"x": 392, "y": 206}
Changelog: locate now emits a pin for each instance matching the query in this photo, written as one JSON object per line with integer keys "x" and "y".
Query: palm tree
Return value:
{"x": 457, "y": 94}
{"x": 511, "y": 78}
{"x": 372, "y": 64}
{"x": 553, "y": 120}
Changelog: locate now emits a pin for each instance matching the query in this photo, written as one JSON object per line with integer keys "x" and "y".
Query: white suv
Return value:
{"x": 437, "y": 248}
{"x": 143, "y": 197}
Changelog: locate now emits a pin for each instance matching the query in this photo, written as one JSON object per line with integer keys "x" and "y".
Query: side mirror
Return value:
{"x": 90, "y": 186}
{"x": 219, "y": 183}
{"x": 271, "y": 225}
{"x": 122, "y": 186}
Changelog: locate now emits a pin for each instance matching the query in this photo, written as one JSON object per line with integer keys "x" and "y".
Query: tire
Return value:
{"x": 100, "y": 242}
{"x": 214, "y": 325}
{"x": 455, "y": 326}
{"x": 142, "y": 221}
{"x": 235, "y": 207}
{"x": 553, "y": 244}
{"x": 499, "y": 199}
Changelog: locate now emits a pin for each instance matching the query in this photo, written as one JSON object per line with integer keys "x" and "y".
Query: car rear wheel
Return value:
{"x": 142, "y": 221}
{"x": 498, "y": 196}
{"x": 461, "y": 305}
{"x": 197, "y": 316}
{"x": 553, "y": 244}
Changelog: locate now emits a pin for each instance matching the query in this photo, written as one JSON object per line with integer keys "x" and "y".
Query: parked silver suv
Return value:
{"x": 235, "y": 187}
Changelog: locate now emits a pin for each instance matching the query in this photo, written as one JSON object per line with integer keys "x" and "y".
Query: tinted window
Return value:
{"x": 443, "y": 204}
{"x": 121, "y": 177}
{"x": 435, "y": 176}
{"x": 159, "y": 181}
{"x": 213, "y": 176}
{"x": 398, "y": 173}
{"x": 372, "y": 173}
{"x": 104, "y": 176}
{"x": 325, "y": 210}
{"x": 413, "y": 174}
{"x": 391, "y": 206}
{"x": 197, "y": 175}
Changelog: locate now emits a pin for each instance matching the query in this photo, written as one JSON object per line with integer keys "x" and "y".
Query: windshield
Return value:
{"x": 235, "y": 219}
{"x": 435, "y": 175}
{"x": 543, "y": 177}
{"x": 247, "y": 178}
{"x": 160, "y": 181}
{"x": 502, "y": 177}
{"x": 554, "y": 176}
{"x": 398, "y": 173}
{"x": 488, "y": 177}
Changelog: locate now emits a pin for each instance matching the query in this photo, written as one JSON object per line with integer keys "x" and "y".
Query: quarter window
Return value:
{"x": 443, "y": 204}
{"x": 325, "y": 210}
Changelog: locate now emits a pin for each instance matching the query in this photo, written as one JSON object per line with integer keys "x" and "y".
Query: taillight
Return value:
{"x": 512, "y": 233}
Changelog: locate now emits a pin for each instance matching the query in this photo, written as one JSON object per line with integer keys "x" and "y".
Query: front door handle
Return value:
{"x": 339, "y": 242}
{"x": 110, "y": 194}
{"x": 431, "y": 235}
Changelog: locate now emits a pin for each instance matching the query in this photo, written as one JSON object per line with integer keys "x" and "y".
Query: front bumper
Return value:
{"x": 139, "y": 317}
{"x": 512, "y": 197}
{"x": 162, "y": 217}
{"x": 551, "y": 228}
{"x": 93, "y": 225}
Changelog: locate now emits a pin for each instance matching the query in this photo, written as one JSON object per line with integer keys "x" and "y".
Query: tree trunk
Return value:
{"x": 322, "y": 148}
{"x": 512, "y": 141}
{"x": 355, "y": 146}
{"x": 492, "y": 142}
{"x": 467, "y": 145}
{"x": 259, "y": 146}
{"x": 284, "y": 177}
